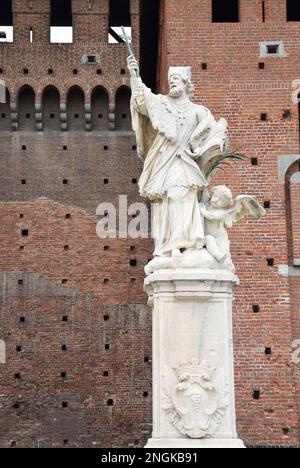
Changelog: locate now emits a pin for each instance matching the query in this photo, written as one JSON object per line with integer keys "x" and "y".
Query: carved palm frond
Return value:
{"x": 224, "y": 159}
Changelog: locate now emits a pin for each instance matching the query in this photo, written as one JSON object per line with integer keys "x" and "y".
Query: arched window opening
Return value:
{"x": 51, "y": 109}
{"x": 100, "y": 109}
{"x": 26, "y": 109}
{"x": 119, "y": 15}
{"x": 123, "y": 114}
{"x": 61, "y": 23}
{"x": 225, "y": 11}
{"x": 5, "y": 121}
{"x": 6, "y": 21}
{"x": 75, "y": 109}
{"x": 2, "y": 352}
{"x": 292, "y": 189}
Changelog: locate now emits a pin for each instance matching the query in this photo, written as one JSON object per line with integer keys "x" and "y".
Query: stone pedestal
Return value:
{"x": 193, "y": 378}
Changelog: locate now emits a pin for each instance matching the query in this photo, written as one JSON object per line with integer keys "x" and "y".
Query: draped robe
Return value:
{"x": 171, "y": 178}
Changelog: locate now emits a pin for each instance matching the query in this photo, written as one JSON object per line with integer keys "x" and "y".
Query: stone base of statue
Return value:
{"x": 193, "y": 376}
{"x": 182, "y": 443}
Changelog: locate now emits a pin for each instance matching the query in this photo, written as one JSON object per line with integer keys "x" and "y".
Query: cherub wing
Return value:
{"x": 244, "y": 205}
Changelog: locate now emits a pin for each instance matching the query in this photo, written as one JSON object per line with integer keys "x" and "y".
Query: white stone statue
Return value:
{"x": 182, "y": 145}
{"x": 191, "y": 288}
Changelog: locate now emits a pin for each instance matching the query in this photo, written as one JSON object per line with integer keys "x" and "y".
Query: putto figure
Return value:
{"x": 220, "y": 213}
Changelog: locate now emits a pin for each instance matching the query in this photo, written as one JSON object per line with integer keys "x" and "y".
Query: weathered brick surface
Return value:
{"x": 86, "y": 282}
{"x": 66, "y": 272}
{"x": 234, "y": 87}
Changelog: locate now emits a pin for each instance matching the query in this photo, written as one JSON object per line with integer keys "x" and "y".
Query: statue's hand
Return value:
{"x": 194, "y": 154}
{"x": 202, "y": 209}
{"x": 133, "y": 66}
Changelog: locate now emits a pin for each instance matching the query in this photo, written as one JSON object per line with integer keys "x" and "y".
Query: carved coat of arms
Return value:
{"x": 196, "y": 404}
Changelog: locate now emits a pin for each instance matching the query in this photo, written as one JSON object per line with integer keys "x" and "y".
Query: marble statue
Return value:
{"x": 182, "y": 145}
{"x": 190, "y": 281}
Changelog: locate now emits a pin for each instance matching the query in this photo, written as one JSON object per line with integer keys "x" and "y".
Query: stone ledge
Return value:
{"x": 190, "y": 283}
{"x": 195, "y": 443}
{"x": 286, "y": 270}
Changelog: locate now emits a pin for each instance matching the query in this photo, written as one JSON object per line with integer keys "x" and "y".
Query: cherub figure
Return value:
{"x": 220, "y": 213}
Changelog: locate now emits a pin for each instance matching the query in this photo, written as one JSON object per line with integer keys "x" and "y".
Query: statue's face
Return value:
{"x": 177, "y": 86}
{"x": 219, "y": 200}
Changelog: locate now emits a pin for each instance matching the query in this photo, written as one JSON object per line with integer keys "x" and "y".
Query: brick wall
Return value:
{"x": 66, "y": 294}
{"x": 74, "y": 318}
{"x": 234, "y": 86}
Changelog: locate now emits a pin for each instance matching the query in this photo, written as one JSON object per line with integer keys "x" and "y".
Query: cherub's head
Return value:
{"x": 221, "y": 197}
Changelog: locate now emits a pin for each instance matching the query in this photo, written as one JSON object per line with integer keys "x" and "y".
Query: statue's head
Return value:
{"x": 180, "y": 81}
{"x": 221, "y": 197}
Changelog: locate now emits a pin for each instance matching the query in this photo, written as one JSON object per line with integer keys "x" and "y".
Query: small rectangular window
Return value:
{"x": 91, "y": 59}
{"x": 273, "y": 49}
